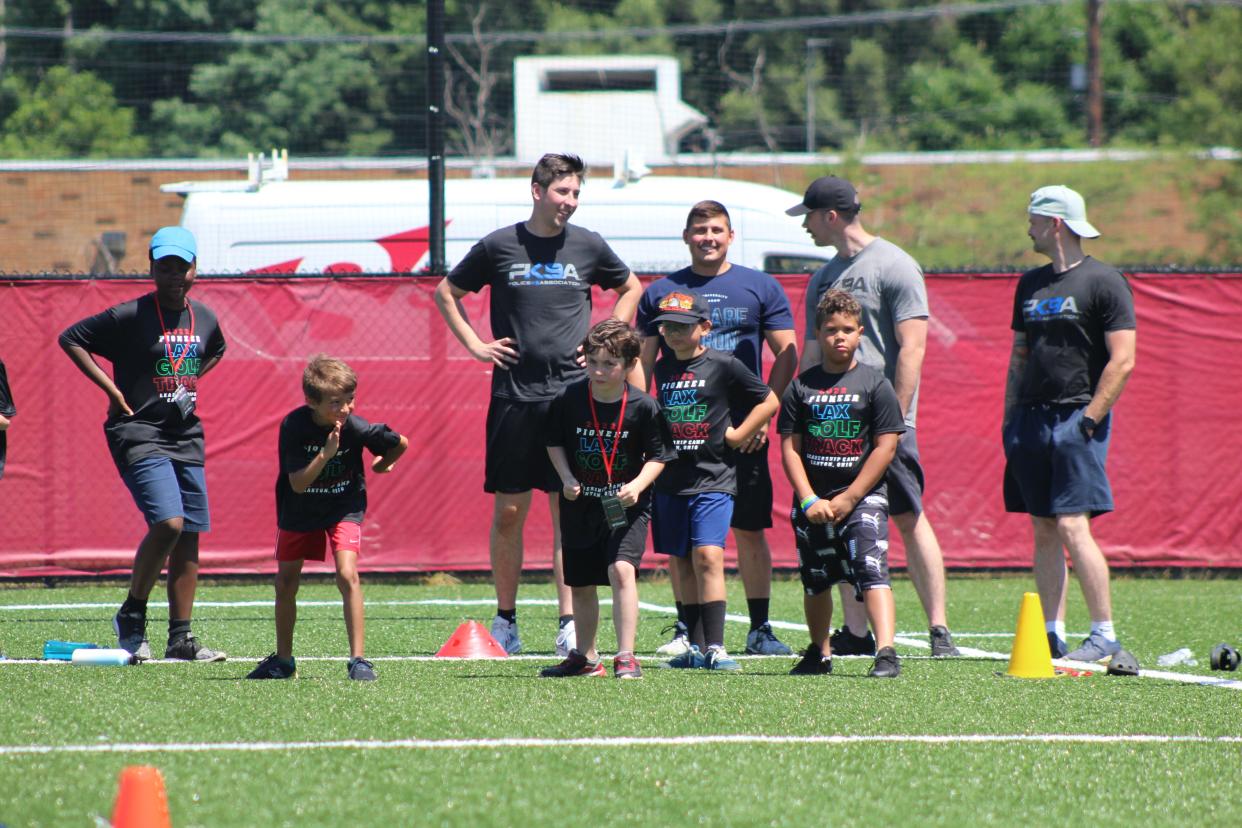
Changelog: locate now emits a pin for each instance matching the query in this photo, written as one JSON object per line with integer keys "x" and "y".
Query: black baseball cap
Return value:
{"x": 682, "y": 307}
{"x": 827, "y": 193}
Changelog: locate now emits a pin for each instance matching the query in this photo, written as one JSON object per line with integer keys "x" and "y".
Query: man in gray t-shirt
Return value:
{"x": 888, "y": 283}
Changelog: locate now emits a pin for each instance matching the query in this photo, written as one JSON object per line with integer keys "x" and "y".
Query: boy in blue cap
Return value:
{"x": 160, "y": 345}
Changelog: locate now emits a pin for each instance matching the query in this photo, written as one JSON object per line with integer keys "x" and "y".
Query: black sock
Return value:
{"x": 565, "y": 619}
{"x": 681, "y": 613}
{"x": 713, "y": 623}
{"x": 133, "y": 606}
{"x": 694, "y": 631}
{"x": 758, "y": 609}
{"x": 509, "y": 615}
{"x": 178, "y": 628}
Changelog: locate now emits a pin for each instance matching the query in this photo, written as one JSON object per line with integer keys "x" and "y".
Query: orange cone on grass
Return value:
{"x": 471, "y": 640}
{"x": 1031, "y": 657}
{"x": 140, "y": 799}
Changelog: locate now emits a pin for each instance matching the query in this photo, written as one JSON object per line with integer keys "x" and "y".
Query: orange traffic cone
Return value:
{"x": 140, "y": 799}
{"x": 471, "y": 640}
{"x": 1031, "y": 657}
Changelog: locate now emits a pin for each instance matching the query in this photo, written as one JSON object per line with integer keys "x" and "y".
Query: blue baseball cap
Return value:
{"x": 173, "y": 241}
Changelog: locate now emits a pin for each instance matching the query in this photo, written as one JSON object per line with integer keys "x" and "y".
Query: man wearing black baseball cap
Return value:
{"x": 888, "y": 284}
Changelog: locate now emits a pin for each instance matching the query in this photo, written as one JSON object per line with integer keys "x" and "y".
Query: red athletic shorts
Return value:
{"x": 311, "y": 546}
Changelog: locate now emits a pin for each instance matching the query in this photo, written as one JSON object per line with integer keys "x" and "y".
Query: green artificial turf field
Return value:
{"x": 456, "y": 742}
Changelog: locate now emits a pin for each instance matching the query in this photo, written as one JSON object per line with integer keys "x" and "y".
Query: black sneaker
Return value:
{"x": 131, "y": 634}
{"x": 812, "y": 663}
{"x": 844, "y": 642}
{"x": 189, "y": 648}
{"x": 273, "y": 668}
{"x": 575, "y": 664}
{"x": 361, "y": 670}
{"x": 1056, "y": 646}
{"x": 942, "y": 642}
{"x": 887, "y": 665}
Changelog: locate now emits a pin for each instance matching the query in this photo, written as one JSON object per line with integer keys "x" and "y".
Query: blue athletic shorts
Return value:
{"x": 1051, "y": 467}
{"x": 680, "y": 523}
{"x": 165, "y": 489}
{"x": 904, "y": 479}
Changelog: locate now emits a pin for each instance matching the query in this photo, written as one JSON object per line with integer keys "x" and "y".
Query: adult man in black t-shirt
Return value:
{"x": 1073, "y": 350}
{"x": 541, "y": 272}
{"x": 160, "y": 346}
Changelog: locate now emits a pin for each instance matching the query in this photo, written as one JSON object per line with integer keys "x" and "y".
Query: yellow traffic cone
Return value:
{"x": 1031, "y": 657}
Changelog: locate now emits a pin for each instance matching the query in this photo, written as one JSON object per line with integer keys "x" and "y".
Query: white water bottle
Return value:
{"x": 1183, "y": 656}
{"x": 102, "y": 658}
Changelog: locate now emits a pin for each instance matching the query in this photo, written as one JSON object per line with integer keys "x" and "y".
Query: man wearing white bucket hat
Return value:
{"x": 1073, "y": 350}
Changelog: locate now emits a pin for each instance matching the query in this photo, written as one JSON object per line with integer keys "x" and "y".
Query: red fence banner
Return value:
{"x": 63, "y": 509}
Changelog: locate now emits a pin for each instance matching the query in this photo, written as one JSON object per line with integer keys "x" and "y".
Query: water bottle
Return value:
{"x": 103, "y": 658}
{"x": 1183, "y": 656}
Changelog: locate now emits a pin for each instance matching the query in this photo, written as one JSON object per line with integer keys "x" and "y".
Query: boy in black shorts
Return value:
{"x": 607, "y": 441}
{"x": 840, "y": 422}
{"x": 698, "y": 386}
{"x": 321, "y": 497}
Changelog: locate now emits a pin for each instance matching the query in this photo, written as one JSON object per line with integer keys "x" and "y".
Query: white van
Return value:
{"x": 381, "y": 226}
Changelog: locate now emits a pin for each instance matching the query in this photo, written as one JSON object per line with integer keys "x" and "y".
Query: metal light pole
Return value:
{"x": 435, "y": 133}
{"x": 812, "y": 43}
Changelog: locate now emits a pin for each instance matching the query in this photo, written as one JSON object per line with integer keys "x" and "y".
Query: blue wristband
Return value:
{"x": 808, "y": 502}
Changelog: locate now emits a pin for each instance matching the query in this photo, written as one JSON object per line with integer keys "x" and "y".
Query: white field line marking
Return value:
{"x": 903, "y": 638}
{"x": 616, "y": 742}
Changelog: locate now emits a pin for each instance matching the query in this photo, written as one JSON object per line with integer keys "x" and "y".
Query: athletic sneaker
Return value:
{"x": 718, "y": 659}
{"x": 762, "y": 641}
{"x": 361, "y": 670}
{"x": 131, "y": 634}
{"x": 575, "y": 664}
{"x": 506, "y": 635}
{"x": 1095, "y": 647}
{"x": 680, "y": 643}
{"x": 189, "y": 648}
{"x": 886, "y": 665}
{"x": 942, "y": 642}
{"x": 691, "y": 659}
{"x": 566, "y": 639}
{"x": 843, "y": 642}
{"x": 626, "y": 666}
{"x": 812, "y": 663}
{"x": 1057, "y": 646}
{"x": 273, "y": 668}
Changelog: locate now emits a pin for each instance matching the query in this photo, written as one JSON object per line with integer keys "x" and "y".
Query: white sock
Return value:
{"x": 1104, "y": 628}
{"x": 1057, "y": 627}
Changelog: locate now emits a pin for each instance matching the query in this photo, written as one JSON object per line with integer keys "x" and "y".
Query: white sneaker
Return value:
{"x": 506, "y": 635}
{"x": 566, "y": 639}
{"x": 680, "y": 645}
{"x": 763, "y": 641}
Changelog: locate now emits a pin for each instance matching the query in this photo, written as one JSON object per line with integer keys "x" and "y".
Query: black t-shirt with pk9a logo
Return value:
{"x": 838, "y": 417}
{"x": 697, "y": 395}
{"x": 541, "y": 297}
{"x": 153, "y": 352}
{"x": 339, "y": 493}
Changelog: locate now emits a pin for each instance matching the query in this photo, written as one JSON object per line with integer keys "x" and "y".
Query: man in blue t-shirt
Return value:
{"x": 748, "y": 308}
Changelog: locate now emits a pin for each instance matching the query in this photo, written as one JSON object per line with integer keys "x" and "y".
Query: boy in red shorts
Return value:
{"x": 321, "y": 498}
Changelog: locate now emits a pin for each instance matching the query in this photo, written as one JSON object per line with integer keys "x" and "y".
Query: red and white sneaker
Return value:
{"x": 626, "y": 666}
{"x": 575, "y": 664}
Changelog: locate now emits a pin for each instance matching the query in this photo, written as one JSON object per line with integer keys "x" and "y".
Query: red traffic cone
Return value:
{"x": 140, "y": 799}
{"x": 471, "y": 640}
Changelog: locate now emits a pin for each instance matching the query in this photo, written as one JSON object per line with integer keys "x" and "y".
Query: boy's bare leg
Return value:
{"x": 754, "y": 562}
{"x": 505, "y": 545}
{"x": 925, "y": 563}
{"x": 818, "y": 610}
{"x": 709, "y": 573}
{"x": 152, "y": 553}
{"x": 288, "y": 577}
{"x": 684, "y": 574}
{"x": 1090, "y": 565}
{"x": 1050, "y": 572}
{"x": 564, "y": 595}
{"x": 183, "y": 576}
{"x": 624, "y": 583}
{"x": 853, "y": 612}
{"x": 586, "y": 619}
{"x": 882, "y": 613}
{"x": 351, "y": 595}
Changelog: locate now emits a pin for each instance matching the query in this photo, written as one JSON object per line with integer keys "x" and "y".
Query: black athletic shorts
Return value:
{"x": 517, "y": 454}
{"x": 856, "y": 552}
{"x": 905, "y": 477}
{"x": 588, "y": 566}
{"x": 752, "y": 508}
